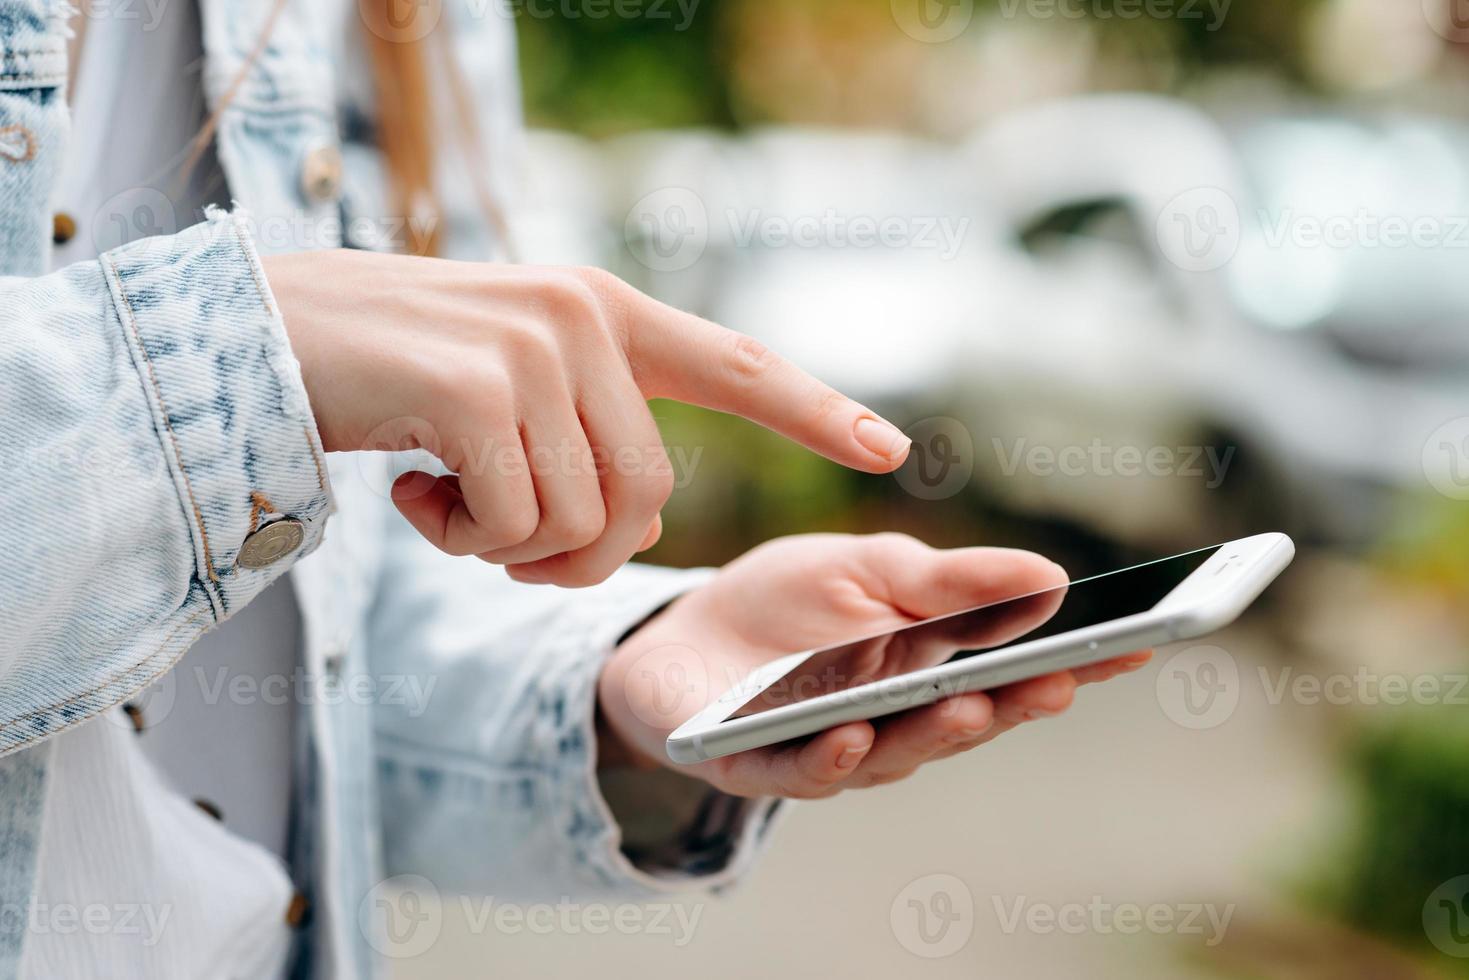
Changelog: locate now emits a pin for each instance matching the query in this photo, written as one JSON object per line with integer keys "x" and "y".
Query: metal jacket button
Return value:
{"x": 298, "y": 911}
{"x": 321, "y": 174}
{"x": 271, "y": 543}
{"x": 63, "y": 228}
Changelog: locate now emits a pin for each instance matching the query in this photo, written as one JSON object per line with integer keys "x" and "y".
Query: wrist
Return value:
{"x": 326, "y": 307}
{"x": 625, "y": 738}
{"x": 616, "y": 752}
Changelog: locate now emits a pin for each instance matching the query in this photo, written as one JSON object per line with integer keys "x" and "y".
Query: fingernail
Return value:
{"x": 967, "y": 735}
{"x": 850, "y": 757}
{"x": 1036, "y": 714}
{"x": 528, "y": 576}
{"x": 882, "y": 438}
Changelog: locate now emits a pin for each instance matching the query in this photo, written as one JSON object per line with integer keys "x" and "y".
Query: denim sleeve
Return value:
{"x": 489, "y": 783}
{"x": 152, "y": 417}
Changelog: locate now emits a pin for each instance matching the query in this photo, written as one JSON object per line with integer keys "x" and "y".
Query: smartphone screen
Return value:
{"x": 974, "y": 632}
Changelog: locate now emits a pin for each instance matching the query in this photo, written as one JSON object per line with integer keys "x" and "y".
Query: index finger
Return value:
{"x": 689, "y": 359}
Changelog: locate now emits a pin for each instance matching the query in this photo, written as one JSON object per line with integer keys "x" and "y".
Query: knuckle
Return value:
{"x": 459, "y": 547}
{"x": 530, "y": 343}
{"x": 656, "y": 535}
{"x": 894, "y": 539}
{"x": 577, "y": 528}
{"x": 958, "y": 729}
{"x": 748, "y": 360}
{"x": 1059, "y": 689}
{"x": 828, "y": 403}
{"x": 516, "y": 527}
{"x": 884, "y": 778}
{"x": 577, "y": 297}
{"x": 603, "y": 284}
{"x": 657, "y": 477}
{"x": 583, "y": 575}
{"x": 466, "y": 537}
{"x": 659, "y": 487}
{"x": 643, "y": 494}
{"x": 893, "y": 544}
{"x": 842, "y": 596}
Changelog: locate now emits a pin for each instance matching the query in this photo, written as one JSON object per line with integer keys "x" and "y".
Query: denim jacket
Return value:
{"x": 153, "y": 420}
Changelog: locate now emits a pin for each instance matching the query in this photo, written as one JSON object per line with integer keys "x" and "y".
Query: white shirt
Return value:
{"x": 136, "y": 106}
{"x": 208, "y": 897}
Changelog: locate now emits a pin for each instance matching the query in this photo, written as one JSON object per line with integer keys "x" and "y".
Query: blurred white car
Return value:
{"x": 1194, "y": 300}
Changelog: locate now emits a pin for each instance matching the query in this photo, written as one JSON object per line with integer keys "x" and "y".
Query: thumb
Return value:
{"x": 924, "y": 582}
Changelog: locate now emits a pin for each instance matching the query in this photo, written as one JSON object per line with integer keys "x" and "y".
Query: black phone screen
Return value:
{"x": 973, "y": 632}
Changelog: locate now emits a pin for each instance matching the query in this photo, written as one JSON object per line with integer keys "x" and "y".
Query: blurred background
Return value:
{"x": 1139, "y": 276}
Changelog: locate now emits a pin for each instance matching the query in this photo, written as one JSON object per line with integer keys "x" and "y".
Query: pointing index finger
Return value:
{"x": 680, "y": 356}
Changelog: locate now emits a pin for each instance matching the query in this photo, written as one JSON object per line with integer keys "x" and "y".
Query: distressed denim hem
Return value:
{"x": 111, "y": 689}
{"x": 231, "y": 411}
{"x": 566, "y": 746}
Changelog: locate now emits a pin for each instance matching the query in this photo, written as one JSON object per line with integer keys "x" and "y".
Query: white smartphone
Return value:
{"x": 1092, "y": 619}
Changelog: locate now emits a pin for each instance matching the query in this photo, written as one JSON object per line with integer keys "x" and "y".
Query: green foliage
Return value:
{"x": 1411, "y": 834}
{"x": 740, "y": 485}
{"x": 1427, "y": 546}
{"x": 1409, "y": 767}
{"x": 605, "y": 75}
{"x": 668, "y": 63}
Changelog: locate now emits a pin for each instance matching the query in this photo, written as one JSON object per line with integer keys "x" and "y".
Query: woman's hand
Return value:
{"x": 804, "y": 592}
{"x": 531, "y": 385}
